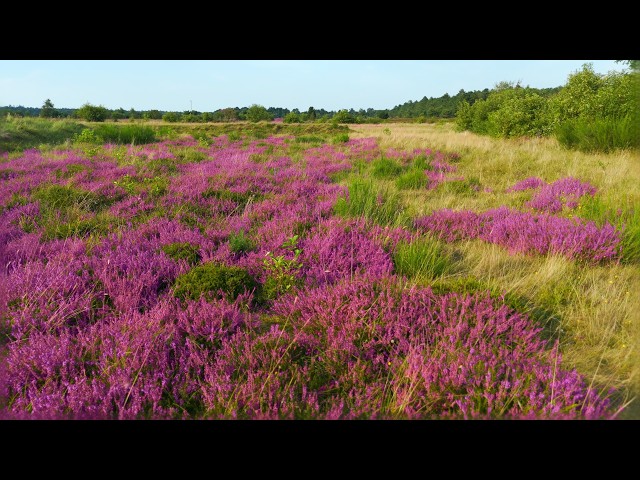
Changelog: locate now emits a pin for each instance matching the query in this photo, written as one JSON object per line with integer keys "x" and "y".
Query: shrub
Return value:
{"x": 212, "y": 280}
{"x": 92, "y": 113}
{"x": 170, "y": 117}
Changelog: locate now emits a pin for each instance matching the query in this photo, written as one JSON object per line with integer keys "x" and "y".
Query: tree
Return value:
{"x": 343, "y": 116}
{"x": 311, "y": 114}
{"x": 228, "y": 114}
{"x": 47, "y": 110}
{"x": 256, "y": 113}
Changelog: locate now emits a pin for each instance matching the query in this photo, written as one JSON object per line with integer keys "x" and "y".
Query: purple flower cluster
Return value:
{"x": 528, "y": 233}
{"x": 552, "y": 197}
{"x": 563, "y": 192}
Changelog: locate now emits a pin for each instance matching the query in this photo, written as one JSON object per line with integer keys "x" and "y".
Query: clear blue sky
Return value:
{"x": 208, "y": 85}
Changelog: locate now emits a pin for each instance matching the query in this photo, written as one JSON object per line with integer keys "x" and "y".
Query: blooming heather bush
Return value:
{"x": 390, "y": 352}
{"x": 337, "y": 249}
{"x": 530, "y": 183}
{"x": 564, "y": 192}
{"x": 527, "y": 233}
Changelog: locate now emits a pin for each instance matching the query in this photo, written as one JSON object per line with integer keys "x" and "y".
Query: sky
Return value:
{"x": 209, "y": 85}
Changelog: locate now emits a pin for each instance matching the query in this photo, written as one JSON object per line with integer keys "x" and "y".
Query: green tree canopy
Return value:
{"x": 256, "y": 113}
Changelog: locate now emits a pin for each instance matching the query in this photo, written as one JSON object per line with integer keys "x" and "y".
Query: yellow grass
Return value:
{"x": 596, "y": 308}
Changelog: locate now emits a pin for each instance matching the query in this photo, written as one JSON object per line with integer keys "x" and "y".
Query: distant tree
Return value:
{"x": 154, "y": 114}
{"x": 92, "y": 113}
{"x": 292, "y": 117}
{"x": 228, "y": 115}
{"x": 311, "y": 114}
{"x": 343, "y": 116}
{"x": 133, "y": 114}
{"x": 47, "y": 110}
{"x": 256, "y": 113}
{"x": 119, "y": 114}
{"x": 206, "y": 117}
{"x": 170, "y": 117}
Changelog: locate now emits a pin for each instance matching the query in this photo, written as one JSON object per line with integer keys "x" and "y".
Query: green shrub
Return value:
{"x": 423, "y": 258}
{"x": 282, "y": 272}
{"x": 92, "y": 113}
{"x": 369, "y": 200}
{"x": 213, "y": 280}
{"x": 170, "y": 117}
{"x": 292, "y": 117}
{"x": 386, "y": 168}
{"x": 87, "y": 136}
{"x": 413, "y": 179}
{"x": 183, "y": 251}
{"x": 240, "y": 243}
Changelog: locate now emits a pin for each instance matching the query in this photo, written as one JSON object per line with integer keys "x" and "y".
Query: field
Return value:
{"x": 392, "y": 271}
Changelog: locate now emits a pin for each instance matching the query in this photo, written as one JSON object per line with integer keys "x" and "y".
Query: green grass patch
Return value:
{"x": 125, "y": 134}
{"x": 372, "y": 201}
{"x": 423, "y": 258}
{"x": 18, "y": 134}
{"x": 386, "y": 168}
{"x": 240, "y": 243}
{"x": 412, "y": 180}
{"x": 340, "y": 138}
{"x": 468, "y": 187}
{"x": 183, "y": 251}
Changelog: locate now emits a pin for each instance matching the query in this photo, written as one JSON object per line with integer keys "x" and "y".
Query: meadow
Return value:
{"x": 392, "y": 271}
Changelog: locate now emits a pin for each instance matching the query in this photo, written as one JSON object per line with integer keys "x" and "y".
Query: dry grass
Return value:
{"x": 596, "y": 309}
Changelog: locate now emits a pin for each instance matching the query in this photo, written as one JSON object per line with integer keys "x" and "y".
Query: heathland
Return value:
{"x": 270, "y": 270}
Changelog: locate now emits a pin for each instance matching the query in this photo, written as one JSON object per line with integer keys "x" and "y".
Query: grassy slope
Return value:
{"x": 594, "y": 311}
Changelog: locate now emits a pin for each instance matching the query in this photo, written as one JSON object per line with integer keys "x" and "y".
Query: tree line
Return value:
{"x": 434, "y": 107}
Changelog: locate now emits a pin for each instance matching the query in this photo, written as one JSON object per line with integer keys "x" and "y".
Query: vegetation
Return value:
{"x": 264, "y": 270}
{"x": 591, "y": 112}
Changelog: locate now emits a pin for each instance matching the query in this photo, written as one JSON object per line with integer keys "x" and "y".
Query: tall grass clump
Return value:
{"x": 386, "y": 168}
{"x": 125, "y": 134}
{"x": 422, "y": 258}
{"x": 599, "y": 134}
{"x": 369, "y": 200}
{"x": 412, "y": 180}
